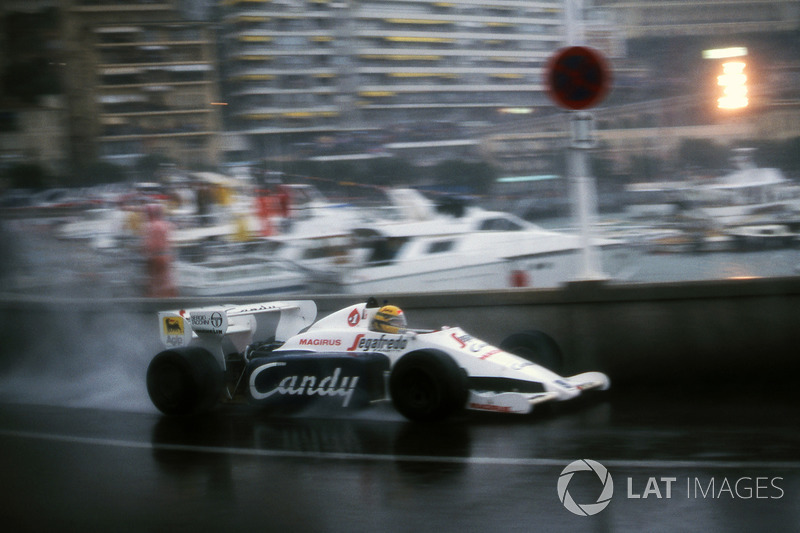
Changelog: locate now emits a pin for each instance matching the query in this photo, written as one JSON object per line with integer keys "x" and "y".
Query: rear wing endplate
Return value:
{"x": 239, "y": 323}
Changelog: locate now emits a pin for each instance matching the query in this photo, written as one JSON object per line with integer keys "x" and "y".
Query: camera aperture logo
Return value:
{"x": 666, "y": 488}
{"x": 585, "y": 509}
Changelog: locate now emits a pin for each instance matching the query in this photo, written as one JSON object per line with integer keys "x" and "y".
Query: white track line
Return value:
{"x": 341, "y": 456}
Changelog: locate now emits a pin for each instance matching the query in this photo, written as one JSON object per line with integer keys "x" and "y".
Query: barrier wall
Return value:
{"x": 700, "y": 334}
{"x": 704, "y": 334}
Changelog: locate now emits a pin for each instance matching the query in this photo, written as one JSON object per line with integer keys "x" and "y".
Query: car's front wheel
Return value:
{"x": 537, "y": 347}
{"x": 184, "y": 381}
{"x": 427, "y": 386}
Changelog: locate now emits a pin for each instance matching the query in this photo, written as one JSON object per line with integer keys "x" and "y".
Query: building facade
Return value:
{"x": 300, "y": 70}
{"x": 677, "y": 18}
{"x": 295, "y": 78}
{"x": 665, "y": 91}
{"x": 139, "y": 81}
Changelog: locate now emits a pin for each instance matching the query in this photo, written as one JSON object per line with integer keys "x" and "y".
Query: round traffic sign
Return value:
{"x": 577, "y": 77}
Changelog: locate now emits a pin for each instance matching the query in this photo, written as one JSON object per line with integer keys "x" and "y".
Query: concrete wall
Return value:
{"x": 706, "y": 334}
{"x": 692, "y": 334}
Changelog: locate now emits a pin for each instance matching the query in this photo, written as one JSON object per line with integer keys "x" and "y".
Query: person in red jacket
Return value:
{"x": 158, "y": 254}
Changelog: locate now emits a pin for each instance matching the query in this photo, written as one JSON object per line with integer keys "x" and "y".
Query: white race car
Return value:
{"x": 274, "y": 354}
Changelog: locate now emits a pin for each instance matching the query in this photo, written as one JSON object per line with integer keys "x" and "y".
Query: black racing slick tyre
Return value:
{"x": 184, "y": 381}
{"x": 428, "y": 386}
{"x": 537, "y": 347}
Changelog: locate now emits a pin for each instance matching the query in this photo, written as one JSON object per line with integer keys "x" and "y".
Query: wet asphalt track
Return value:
{"x": 678, "y": 462}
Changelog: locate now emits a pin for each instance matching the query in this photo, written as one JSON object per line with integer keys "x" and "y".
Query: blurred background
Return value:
{"x": 279, "y": 129}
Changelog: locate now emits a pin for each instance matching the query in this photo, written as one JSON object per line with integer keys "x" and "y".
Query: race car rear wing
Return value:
{"x": 241, "y": 324}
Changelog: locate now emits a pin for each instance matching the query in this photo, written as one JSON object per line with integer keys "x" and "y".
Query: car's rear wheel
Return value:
{"x": 428, "y": 385}
{"x": 184, "y": 381}
{"x": 537, "y": 347}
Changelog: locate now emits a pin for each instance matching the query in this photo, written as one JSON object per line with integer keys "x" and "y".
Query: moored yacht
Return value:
{"x": 477, "y": 250}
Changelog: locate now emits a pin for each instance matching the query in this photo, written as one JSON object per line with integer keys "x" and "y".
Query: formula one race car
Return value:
{"x": 353, "y": 357}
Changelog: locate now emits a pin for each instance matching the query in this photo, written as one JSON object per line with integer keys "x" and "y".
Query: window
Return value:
{"x": 384, "y": 251}
{"x": 440, "y": 247}
{"x": 499, "y": 224}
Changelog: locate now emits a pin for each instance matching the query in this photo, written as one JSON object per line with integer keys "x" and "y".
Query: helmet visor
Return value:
{"x": 398, "y": 322}
{"x": 391, "y": 322}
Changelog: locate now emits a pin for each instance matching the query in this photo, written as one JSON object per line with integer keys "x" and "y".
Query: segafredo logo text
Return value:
{"x": 307, "y": 385}
{"x": 378, "y": 344}
{"x": 605, "y": 493}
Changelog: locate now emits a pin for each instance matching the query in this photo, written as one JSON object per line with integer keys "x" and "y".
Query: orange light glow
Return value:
{"x": 734, "y": 83}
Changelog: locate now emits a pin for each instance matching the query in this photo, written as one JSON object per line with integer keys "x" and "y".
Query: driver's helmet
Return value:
{"x": 389, "y": 319}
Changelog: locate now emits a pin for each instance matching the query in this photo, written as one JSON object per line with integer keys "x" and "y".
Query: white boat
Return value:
{"x": 480, "y": 250}
{"x": 299, "y": 252}
{"x": 762, "y": 236}
{"x": 238, "y": 270}
{"x": 102, "y": 228}
{"x": 748, "y": 195}
{"x": 656, "y": 200}
{"x": 322, "y": 241}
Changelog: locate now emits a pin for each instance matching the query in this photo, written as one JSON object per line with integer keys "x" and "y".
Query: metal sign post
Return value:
{"x": 584, "y": 192}
{"x": 577, "y": 78}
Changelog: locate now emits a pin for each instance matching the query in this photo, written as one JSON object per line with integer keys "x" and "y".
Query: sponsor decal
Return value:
{"x": 208, "y": 322}
{"x": 173, "y": 341}
{"x": 354, "y": 318}
{"x": 490, "y": 353}
{"x": 564, "y": 384}
{"x": 174, "y": 329}
{"x": 472, "y": 344}
{"x": 358, "y": 339}
{"x": 173, "y": 325}
{"x": 461, "y": 339}
{"x": 306, "y": 385}
{"x": 320, "y": 342}
{"x": 213, "y": 320}
{"x": 378, "y": 344}
{"x": 490, "y": 407}
{"x": 256, "y": 308}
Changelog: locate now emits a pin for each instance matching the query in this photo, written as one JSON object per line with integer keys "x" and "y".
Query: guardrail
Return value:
{"x": 707, "y": 334}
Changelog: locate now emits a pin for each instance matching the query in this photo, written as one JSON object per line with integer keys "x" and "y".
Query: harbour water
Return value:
{"x": 676, "y": 267}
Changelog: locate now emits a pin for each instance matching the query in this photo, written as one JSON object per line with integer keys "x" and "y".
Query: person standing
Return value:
{"x": 158, "y": 254}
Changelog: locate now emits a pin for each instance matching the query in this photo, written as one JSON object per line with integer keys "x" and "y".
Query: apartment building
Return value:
{"x": 676, "y": 18}
{"x": 300, "y": 69}
{"x": 139, "y": 81}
